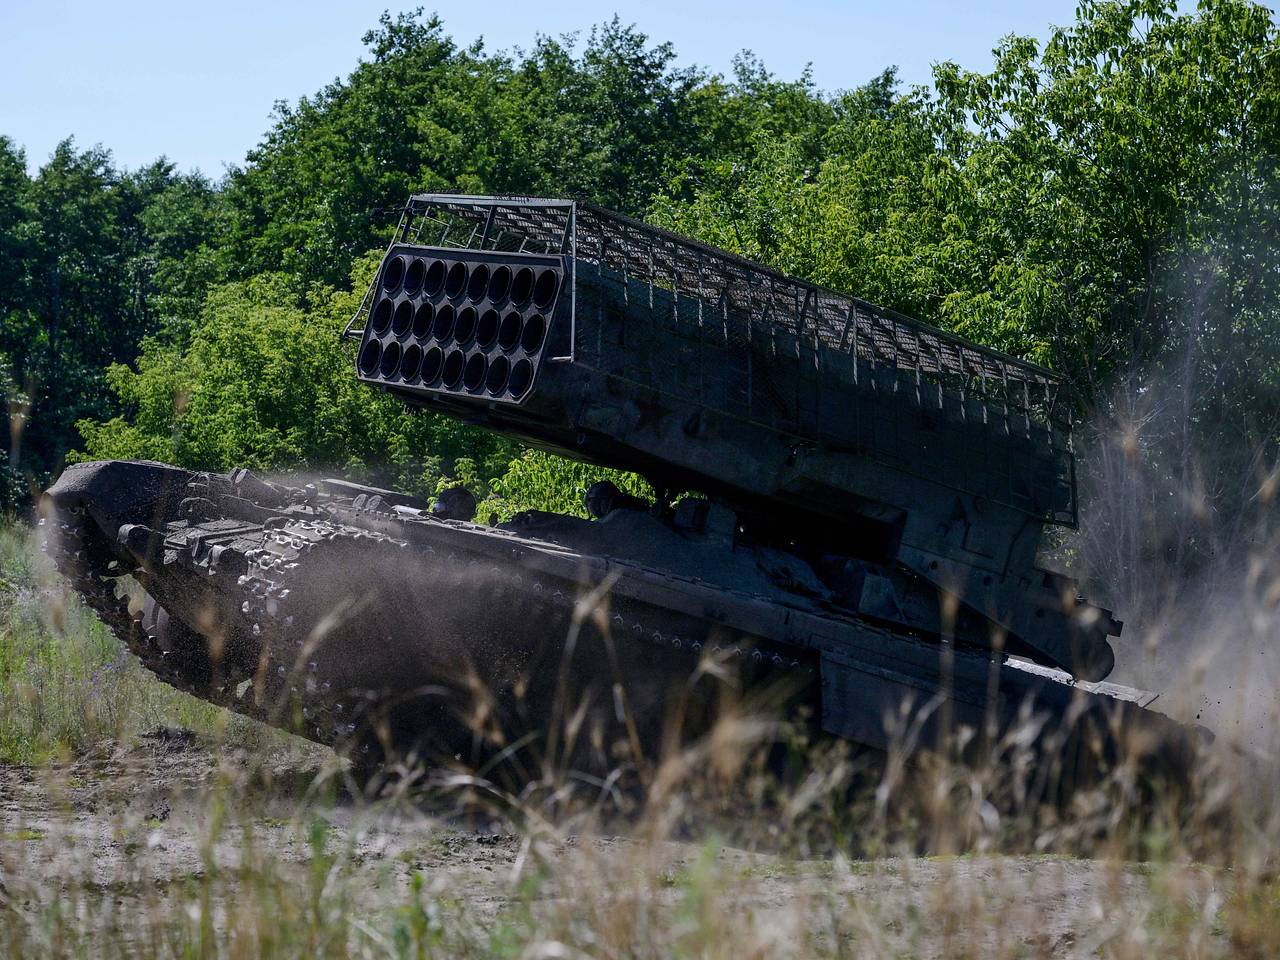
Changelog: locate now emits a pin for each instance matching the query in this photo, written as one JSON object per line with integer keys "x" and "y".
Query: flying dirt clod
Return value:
{"x": 871, "y": 495}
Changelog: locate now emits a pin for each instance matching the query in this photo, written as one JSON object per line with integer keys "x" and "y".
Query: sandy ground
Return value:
{"x": 121, "y": 830}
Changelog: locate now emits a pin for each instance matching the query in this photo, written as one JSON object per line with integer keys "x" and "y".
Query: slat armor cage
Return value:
{"x": 700, "y": 326}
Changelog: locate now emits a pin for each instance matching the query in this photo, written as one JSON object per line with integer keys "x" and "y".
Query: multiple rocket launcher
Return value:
{"x": 863, "y": 500}
{"x": 819, "y": 419}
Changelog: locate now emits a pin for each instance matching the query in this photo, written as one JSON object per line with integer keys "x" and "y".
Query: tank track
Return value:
{"x": 96, "y": 575}
{"x": 81, "y": 558}
{"x": 283, "y": 683}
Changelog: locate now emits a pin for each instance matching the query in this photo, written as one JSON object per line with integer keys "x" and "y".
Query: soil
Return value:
{"x": 131, "y": 823}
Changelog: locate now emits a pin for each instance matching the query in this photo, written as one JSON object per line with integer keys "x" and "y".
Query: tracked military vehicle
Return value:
{"x": 848, "y": 507}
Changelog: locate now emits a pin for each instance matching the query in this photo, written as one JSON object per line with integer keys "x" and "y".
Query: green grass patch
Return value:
{"x": 66, "y": 682}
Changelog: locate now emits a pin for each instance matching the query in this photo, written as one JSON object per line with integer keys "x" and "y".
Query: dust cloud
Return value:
{"x": 1180, "y": 534}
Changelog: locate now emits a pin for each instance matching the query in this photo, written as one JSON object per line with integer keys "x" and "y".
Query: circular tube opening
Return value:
{"x": 496, "y": 379}
{"x": 432, "y": 361}
{"x": 509, "y": 332}
{"x": 464, "y": 328}
{"x": 415, "y": 276}
{"x": 535, "y": 328}
{"x": 393, "y": 274}
{"x": 544, "y": 289}
{"x": 453, "y": 364}
{"x": 500, "y": 284}
{"x": 403, "y": 319}
{"x": 422, "y": 320}
{"x": 456, "y": 282}
{"x": 390, "y": 364}
{"x": 435, "y": 278}
{"x": 370, "y": 354}
{"x": 478, "y": 285}
{"x": 522, "y": 286}
{"x": 410, "y": 361}
{"x": 381, "y": 318}
{"x": 442, "y": 329}
{"x": 473, "y": 375}
{"x": 487, "y": 329}
{"x": 520, "y": 379}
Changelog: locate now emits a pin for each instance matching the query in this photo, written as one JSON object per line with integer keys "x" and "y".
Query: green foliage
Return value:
{"x": 851, "y": 204}
{"x": 14, "y": 212}
{"x": 66, "y": 681}
{"x": 1121, "y": 185}
{"x": 90, "y": 259}
{"x": 1102, "y": 204}
{"x": 421, "y": 113}
{"x": 542, "y": 481}
{"x": 264, "y": 382}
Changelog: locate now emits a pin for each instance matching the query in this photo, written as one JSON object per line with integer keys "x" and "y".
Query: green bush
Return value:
{"x": 541, "y": 481}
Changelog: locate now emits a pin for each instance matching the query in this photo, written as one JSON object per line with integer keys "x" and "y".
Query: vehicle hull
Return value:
{"x": 360, "y": 620}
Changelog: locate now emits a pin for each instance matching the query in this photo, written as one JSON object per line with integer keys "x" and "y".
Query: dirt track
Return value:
{"x": 126, "y": 830}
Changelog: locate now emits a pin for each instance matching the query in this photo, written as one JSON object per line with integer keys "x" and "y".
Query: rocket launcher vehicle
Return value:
{"x": 845, "y": 499}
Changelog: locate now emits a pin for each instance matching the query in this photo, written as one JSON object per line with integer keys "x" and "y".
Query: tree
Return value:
{"x": 15, "y": 187}
{"x": 264, "y": 382}
{"x": 1109, "y": 178}
{"x": 607, "y": 123}
{"x": 92, "y": 261}
{"x": 1124, "y": 196}
{"x": 167, "y": 221}
{"x": 856, "y": 202}
{"x": 71, "y": 319}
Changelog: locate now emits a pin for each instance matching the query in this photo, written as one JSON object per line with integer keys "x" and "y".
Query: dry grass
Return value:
{"x": 117, "y": 842}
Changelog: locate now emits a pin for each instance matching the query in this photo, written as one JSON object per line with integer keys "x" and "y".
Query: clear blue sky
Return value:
{"x": 196, "y": 81}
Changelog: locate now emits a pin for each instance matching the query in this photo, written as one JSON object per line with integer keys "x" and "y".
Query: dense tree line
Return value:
{"x": 91, "y": 260}
{"x": 222, "y": 278}
{"x": 1107, "y": 203}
